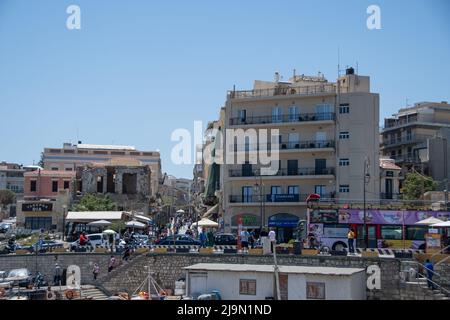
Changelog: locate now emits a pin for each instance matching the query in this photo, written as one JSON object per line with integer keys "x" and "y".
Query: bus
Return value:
{"x": 385, "y": 229}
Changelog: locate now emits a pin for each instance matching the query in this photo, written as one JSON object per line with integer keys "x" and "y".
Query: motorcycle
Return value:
{"x": 39, "y": 281}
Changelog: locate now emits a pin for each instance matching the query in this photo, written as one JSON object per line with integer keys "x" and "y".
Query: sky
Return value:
{"x": 138, "y": 70}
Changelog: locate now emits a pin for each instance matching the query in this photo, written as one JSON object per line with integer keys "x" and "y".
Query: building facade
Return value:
{"x": 390, "y": 175}
{"x": 11, "y": 178}
{"x": 72, "y": 156}
{"x": 411, "y": 136}
{"x": 46, "y": 199}
{"x": 327, "y": 132}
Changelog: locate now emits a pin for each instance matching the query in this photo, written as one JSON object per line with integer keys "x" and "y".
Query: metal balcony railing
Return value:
{"x": 390, "y": 142}
{"x": 313, "y": 144}
{"x": 283, "y": 172}
{"x": 285, "y": 118}
{"x": 325, "y": 88}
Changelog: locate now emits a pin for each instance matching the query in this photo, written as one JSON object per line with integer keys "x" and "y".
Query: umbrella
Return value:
{"x": 442, "y": 224}
{"x": 135, "y": 224}
{"x": 206, "y": 223}
{"x": 109, "y": 231}
{"x": 180, "y": 211}
{"x": 99, "y": 223}
{"x": 429, "y": 221}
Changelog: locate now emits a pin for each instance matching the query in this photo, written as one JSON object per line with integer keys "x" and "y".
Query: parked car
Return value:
{"x": 5, "y": 227}
{"x": 223, "y": 239}
{"x": 94, "y": 240}
{"x": 178, "y": 239}
{"x": 45, "y": 246}
{"x": 19, "y": 277}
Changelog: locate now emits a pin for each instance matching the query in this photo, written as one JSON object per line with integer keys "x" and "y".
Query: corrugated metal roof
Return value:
{"x": 270, "y": 268}
{"x": 95, "y": 215}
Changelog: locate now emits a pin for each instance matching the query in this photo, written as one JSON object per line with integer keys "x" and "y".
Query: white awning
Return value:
{"x": 89, "y": 216}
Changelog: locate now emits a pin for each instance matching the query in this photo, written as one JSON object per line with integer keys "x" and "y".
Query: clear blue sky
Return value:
{"x": 137, "y": 70}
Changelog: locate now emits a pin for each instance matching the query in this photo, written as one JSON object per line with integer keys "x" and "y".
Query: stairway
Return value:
{"x": 90, "y": 292}
{"x": 418, "y": 289}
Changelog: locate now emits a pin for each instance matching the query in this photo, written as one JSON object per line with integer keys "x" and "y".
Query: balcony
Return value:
{"x": 273, "y": 198}
{"x": 286, "y": 118}
{"x": 403, "y": 121}
{"x": 406, "y": 159}
{"x": 300, "y": 145}
{"x": 283, "y": 172}
{"x": 411, "y": 139}
{"x": 284, "y": 91}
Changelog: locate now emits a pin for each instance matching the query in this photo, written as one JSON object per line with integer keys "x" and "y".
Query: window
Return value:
{"x": 416, "y": 233}
{"x": 393, "y": 154}
{"x": 315, "y": 290}
{"x": 275, "y": 190}
{"x": 66, "y": 185}
{"x": 391, "y": 232}
{"x": 55, "y": 168}
{"x": 247, "y": 194}
{"x": 292, "y": 167}
{"x": 247, "y": 287}
{"x": 408, "y": 135}
{"x": 323, "y": 112}
{"x": 33, "y": 186}
{"x": 321, "y": 137}
{"x": 344, "y": 188}
{"x": 345, "y": 162}
{"x": 242, "y": 114}
{"x": 293, "y": 113}
{"x": 320, "y": 189}
{"x": 293, "y": 190}
{"x": 276, "y": 115}
{"x": 68, "y": 169}
{"x": 344, "y": 108}
{"x": 344, "y": 135}
{"x": 54, "y": 186}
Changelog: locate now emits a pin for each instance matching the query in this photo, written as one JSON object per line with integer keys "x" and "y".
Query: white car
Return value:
{"x": 94, "y": 239}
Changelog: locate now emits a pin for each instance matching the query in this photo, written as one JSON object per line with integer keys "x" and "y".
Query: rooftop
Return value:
{"x": 270, "y": 269}
{"x": 105, "y": 147}
{"x": 95, "y": 215}
{"x": 49, "y": 173}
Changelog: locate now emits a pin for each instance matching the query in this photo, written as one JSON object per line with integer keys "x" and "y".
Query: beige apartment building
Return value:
{"x": 416, "y": 138}
{"x": 70, "y": 157}
{"x": 326, "y": 133}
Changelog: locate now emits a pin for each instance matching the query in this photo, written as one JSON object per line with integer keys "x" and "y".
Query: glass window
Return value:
{"x": 344, "y": 108}
{"x": 293, "y": 113}
{"x": 320, "y": 189}
{"x": 247, "y": 194}
{"x": 33, "y": 186}
{"x": 293, "y": 190}
{"x": 276, "y": 114}
{"x": 415, "y": 233}
{"x": 275, "y": 190}
{"x": 344, "y": 162}
{"x": 344, "y": 135}
{"x": 247, "y": 287}
{"x": 66, "y": 185}
{"x": 344, "y": 188}
{"x": 54, "y": 186}
{"x": 391, "y": 232}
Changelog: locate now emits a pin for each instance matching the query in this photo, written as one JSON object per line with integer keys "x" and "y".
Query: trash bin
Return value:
{"x": 298, "y": 247}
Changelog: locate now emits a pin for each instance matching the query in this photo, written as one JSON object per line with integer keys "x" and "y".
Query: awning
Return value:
{"x": 99, "y": 223}
{"x": 89, "y": 216}
{"x": 135, "y": 224}
{"x": 429, "y": 221}
{"x": 142, "y": 218}
{"x": 206, "y": 223}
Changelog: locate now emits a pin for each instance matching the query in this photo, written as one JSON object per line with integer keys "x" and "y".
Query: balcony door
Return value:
{"x": 247, "y": 193}
{"x": 323, "y": 112}
{"x": 321, "y": 166}
{"x": 293, "y": 114}
{"x": 388, "y": 188}
{"x": 247, "y": 170}
{"x": 321, "y": 137}
{"x": 277, "y": 115}
{"x": 292, "y": 167}
{"x": 294, "y": 141}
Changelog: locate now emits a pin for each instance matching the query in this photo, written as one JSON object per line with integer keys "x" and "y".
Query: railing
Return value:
{"x": 404, "y": 140}
{"x": 268, "y": 198}
{"x": 285, "y": 118}
{"x": 406, "y": 158}
{"x": 283, "y": 172}
{"x": 313, "y": 144}
{"x": 390, "y": 196}
{"x": 440, "y": 283}
{"x": 398, "y": 123}
{"x": 280, "y": 91}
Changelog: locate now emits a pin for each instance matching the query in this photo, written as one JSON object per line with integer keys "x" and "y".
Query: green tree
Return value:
{"x": 7, "y": 197}
{"x": 41, "y": 160}
{"x": 416, "y": 185}
{"x": 93, "y": 202}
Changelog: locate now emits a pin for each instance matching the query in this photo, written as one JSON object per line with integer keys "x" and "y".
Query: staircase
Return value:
{"x": 419, "y": 290}
{"x": 90, "y": 292}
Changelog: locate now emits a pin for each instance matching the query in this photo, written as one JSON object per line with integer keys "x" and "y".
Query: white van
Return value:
{"x": 94, "y": 239}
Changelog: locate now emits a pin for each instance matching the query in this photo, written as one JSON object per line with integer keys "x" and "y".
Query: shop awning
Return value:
{"x": 89, "y": 216}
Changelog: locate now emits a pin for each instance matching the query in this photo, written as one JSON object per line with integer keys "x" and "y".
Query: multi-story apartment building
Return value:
{"x": 69, "y": 157}
{"x": 11, "y": 178}
{"x": 327, "y": 132}
{"x": 406, "y": 137}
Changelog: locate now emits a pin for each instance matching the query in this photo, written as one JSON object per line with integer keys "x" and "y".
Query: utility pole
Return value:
{"x": 366, "y": 178}
{"x": 277, "y": 276}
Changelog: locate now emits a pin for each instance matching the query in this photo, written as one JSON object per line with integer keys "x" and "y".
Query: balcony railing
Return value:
{"x": 273, "y": 198}
{"x": 285, "y": 118}
{"x": 283, "y": 91}
{"x": 406, "y": 158}
{"x": 283, "y": 172}
{"x": 390, "y": 142}
{"x": 399, "y": 122}
{"x": 287, "y": 145}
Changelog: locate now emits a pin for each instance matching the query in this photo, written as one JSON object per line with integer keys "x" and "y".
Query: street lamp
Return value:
{"x": 260, "y": 188}
{"x": 64, "y": 222}
{"x": 366, "y": 179}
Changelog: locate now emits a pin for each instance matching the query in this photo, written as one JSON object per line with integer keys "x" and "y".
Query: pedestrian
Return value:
{"x": 57, "y": 277}
{"x": 244, "y": 239}
{"x": 273, "y": 239}
{"x": 251, "y": 239}
{"x": 351, "y": 240}
{"x": 83, "y": 239}
{"x": 202, "y": 238}
{"x": 112, "y": 263}
{"x": 430, "y": 272}
{"x": 96, "y": 270}
{"x": 210, "y": 237}
{"x": 126, "y": 253}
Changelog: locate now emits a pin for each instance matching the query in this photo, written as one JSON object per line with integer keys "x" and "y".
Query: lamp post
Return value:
{"x": 64, "y": 222}
{"x": 260, "y": 189}
{"x": 366, "y": 179}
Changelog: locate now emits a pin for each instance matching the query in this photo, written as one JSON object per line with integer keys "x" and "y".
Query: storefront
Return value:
{"x": 37, "y": 215}
{"x": 249, "y": 222}
{"x": 285, "y": 225}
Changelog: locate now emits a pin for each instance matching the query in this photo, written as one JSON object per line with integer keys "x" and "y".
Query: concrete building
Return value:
{"x": 326, "y": 131}
{"x": 127, "y": 182}
{"x": 46, "y": 199}
{"x": 415, "y": 138}
{"x": 70, "y": 156}
{"x": 390, "y": 175}
{"x": 11, "y": 178}
{"x": 257, "y": 282}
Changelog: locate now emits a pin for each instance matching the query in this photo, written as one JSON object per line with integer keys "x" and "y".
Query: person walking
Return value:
{"x": 273, "y": 239}
{"x": 430, "y": 272}
{"x": 202, "y": 238}
{"x": 244, "y": 239}
{"x": 96, "y": 270}
{"x": 351, "y": 241}
{"x": 57, "y": 277}
{"x": 111, "y": 264}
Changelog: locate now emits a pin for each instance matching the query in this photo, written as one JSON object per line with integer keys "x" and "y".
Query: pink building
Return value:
{"x": 47, "y": 183}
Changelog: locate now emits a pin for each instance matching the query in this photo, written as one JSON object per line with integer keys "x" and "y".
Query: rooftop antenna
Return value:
{"x": 357, "y": 67}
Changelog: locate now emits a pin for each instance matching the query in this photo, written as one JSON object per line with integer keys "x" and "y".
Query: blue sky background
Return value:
{"x": 137, "y": 70}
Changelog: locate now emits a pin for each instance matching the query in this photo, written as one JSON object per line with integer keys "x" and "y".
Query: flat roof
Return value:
{"x": 331, "y": 271}
{"x": 104, "y": 146}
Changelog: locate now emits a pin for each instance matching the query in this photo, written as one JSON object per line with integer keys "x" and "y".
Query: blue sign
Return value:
{"x": 283, "y": 221}
{"x": 283, "y": 198}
